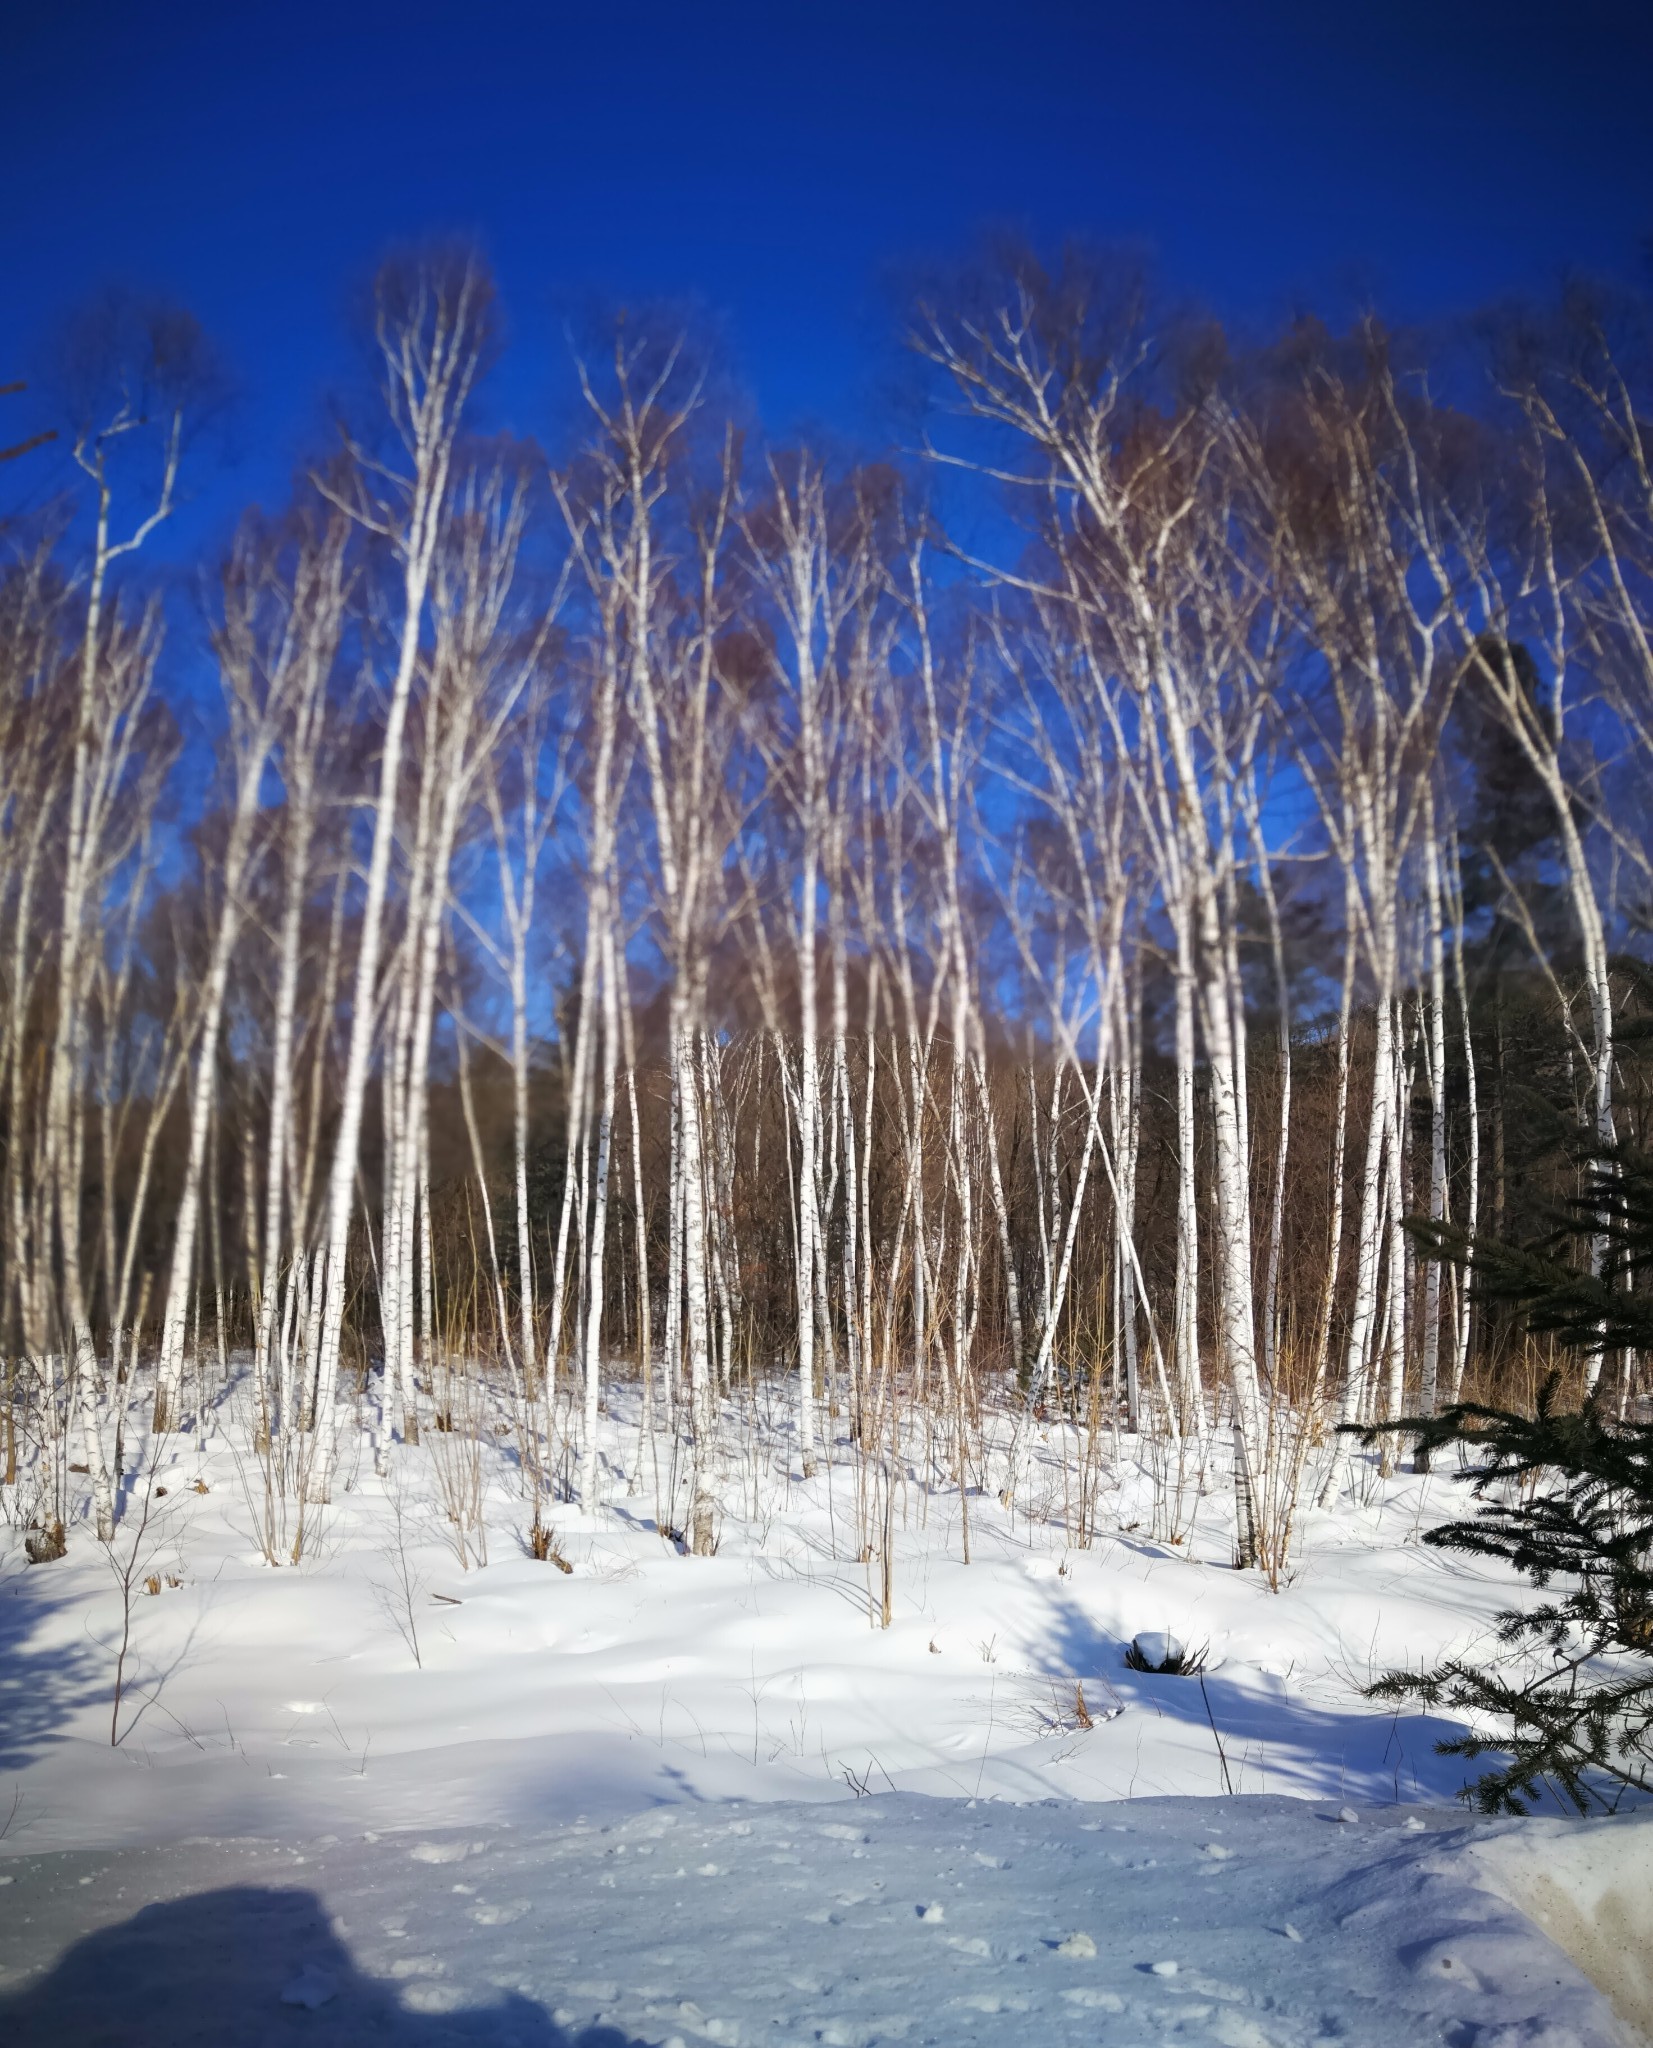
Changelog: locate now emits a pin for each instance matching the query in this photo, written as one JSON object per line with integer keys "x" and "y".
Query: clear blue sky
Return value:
{"x": 779, "y": 161}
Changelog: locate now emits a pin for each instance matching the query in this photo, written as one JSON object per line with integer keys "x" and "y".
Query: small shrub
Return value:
{"x": 45, "y": 1544}
{"x": 543, "y": 1545}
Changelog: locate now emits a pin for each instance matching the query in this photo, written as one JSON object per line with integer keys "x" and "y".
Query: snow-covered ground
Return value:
{"x": 684, "y": 1789}
{"x": 1260, "y": 1923}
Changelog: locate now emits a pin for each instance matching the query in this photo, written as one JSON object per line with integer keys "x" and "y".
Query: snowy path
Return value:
{"x": 1250, "y": 1923}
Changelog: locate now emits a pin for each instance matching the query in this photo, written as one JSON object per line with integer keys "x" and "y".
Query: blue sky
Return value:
{"x": 783, "y": 163}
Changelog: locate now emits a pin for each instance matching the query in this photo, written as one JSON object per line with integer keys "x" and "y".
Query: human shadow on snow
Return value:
{"x": 212, "y": 1968}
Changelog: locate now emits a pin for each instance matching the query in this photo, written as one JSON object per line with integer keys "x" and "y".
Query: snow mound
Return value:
{"x": 1590, "y": 1888}
{"x": 1158, "y": 1650}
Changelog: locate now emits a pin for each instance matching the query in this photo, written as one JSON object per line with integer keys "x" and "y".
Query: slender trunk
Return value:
{"x": 1472, "y": 1190}
{"x": 1186, "y": 1315}
{"x": 1429, "y": 1388}
{"x": 599, "y": 1211}
{"x": 1359, "y": 1352}
{"x": 1340, "y": 1136}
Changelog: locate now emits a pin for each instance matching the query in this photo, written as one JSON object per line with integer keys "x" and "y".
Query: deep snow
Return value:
{"x": 724, "y": 1717}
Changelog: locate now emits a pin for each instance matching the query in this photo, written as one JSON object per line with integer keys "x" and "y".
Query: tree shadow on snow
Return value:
{"x": 1269, "y": 1741}
{"x": 212, "y": 1969}
{"x": 41, "y": 1687}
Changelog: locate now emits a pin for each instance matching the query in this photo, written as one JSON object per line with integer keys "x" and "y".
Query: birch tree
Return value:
{"x": 260, "y": 667}
{"x": 116, "y": 676}
{"x": 431, "y": 330}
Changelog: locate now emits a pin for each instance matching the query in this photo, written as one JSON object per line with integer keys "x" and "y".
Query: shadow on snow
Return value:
{"x": 41, "y": 1686}
{"x": 212, "y": 1969}
{"x": 1269, "y": 1741}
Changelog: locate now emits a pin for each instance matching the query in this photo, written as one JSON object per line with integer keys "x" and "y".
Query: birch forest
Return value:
{"x": 888, "y": 958}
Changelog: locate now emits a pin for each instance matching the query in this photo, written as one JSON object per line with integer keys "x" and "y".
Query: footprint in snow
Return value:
{"x": 1193, "y": 1980}
{"x": 311, "y": 1988}
{"x": 1442, "y": 1961}
{"x": 1095, "y": 2001}
{"x": 501, "y": 1915}
{"x": 428, "y": 1997}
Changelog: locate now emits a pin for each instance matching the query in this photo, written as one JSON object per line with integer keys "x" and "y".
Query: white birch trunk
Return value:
{"x": 431, "y": 355}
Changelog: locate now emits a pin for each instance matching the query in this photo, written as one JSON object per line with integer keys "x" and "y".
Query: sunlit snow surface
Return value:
{"x": 710, "y": 1799}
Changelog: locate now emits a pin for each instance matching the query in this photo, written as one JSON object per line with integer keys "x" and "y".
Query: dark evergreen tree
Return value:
{"x": 1566, "y": 1497}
